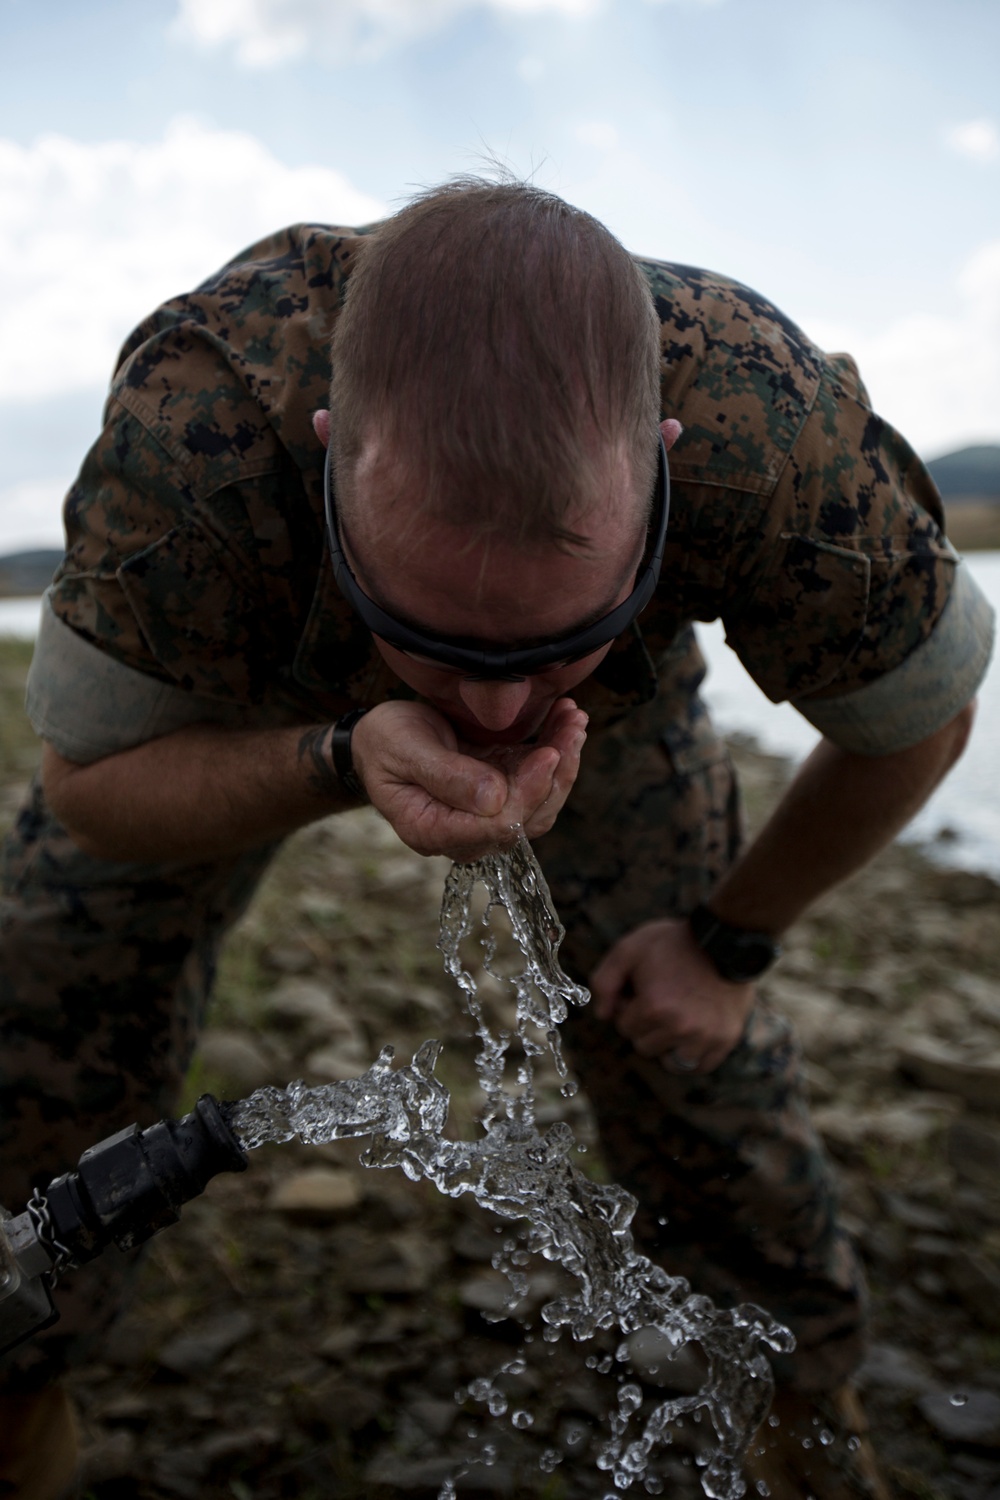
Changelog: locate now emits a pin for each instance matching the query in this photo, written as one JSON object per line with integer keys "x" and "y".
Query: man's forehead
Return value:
{"x": 449, "y": 580}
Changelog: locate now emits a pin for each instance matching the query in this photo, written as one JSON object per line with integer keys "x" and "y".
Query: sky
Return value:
{"x": 840, "y": 156}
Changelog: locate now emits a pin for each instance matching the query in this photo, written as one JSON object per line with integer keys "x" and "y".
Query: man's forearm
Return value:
{"x": 201, "y": 793}
{"x": 839, "y": 811}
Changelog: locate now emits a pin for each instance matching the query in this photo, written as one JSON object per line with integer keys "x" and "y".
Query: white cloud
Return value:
{"x": 92, "y": 237}
{"x": 266, "y": 33}
{"x": 936, "y": 376}
{"x": 977, "y": 139}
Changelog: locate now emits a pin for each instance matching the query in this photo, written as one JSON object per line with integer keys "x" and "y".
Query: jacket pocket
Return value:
{"x": 202, "y": 625}
{"x": 805, "y": 619}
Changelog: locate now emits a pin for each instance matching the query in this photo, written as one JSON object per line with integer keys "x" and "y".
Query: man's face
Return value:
{"x": 448, "y": 581}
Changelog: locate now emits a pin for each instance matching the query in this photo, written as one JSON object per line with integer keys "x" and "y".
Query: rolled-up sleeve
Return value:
{"x": 88, "y": 704}
{"x": 922, "y": 694}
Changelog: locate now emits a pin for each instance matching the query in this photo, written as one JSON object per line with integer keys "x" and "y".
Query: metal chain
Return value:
{"x": 61, "y": 1255}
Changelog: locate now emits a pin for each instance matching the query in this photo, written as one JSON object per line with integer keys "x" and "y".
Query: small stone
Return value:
{"x": 897, "y": 1125}
{"x": 180, "y": 1471}
{"x": 397, "y": 1264}
{"x": 190, "y": 1353}
{"x": 974, "y": 1154}
{"x": 345, "y": 1059}
{"x": 974, "y": 1206}
{"x": 237, "y": 1060}
{"x": 129, "y": 1407}
{"x": 487, "y": 1292}
{"x": 976, "y": 1419}
{"x": 246, "y": 1443}
{"x": 411, "y": 1476}
{"x": 938, "y": 1066}
{"x": 436, "y": 1417}
{"x": 913, "y": 1215}
{"x": 111, "y": 1457}
{"x": 976, "y": 1280}
{"x": 304, "y": 1005}
{"x": 983, "y": 996}
{"x": 474, "y": 1242}
{"x": 290, "y": 958}
{"x": 889, "y": 1367}
{"x": 316, "y": 1195}
{"x": 342, "y": 1343}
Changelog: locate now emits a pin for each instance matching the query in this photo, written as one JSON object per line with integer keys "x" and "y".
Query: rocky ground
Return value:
{"x": 305, "y": 1329}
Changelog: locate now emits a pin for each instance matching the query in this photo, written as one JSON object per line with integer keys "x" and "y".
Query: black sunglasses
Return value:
{"x": 466, "y": 655}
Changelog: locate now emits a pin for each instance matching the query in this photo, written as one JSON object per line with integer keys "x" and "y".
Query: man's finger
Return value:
{"x": 609, "y": 983}
{"x": 455, "y": 780}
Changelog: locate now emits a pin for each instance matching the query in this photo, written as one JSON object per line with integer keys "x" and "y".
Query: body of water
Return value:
{"x": 966, "y": 807}
{"x": 20, "y": 617}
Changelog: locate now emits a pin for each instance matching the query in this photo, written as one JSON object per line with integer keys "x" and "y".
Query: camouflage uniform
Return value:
{"x": 196, "y": 587}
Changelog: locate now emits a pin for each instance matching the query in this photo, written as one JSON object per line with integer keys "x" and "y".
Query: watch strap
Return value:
{"x": 738, "y": 954}
{"x": 340, "y": 752}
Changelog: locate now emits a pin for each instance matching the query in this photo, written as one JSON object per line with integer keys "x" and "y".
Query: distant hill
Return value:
{"x": 26, "y": 573}
{"x": 969, "y": 474}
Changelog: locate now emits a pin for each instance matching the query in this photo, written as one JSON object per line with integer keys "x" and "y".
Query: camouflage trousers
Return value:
{"x": 105, "y": 970}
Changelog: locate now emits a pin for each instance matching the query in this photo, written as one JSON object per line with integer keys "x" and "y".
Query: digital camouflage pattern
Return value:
{"x": 105, "y": 971}
{"x": 195, "y": 555}
{"x": 195, "y": 543}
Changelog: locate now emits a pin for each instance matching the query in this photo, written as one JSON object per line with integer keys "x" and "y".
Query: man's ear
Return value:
{"x": 670, "y": 428}
{"x": 321, "y": 426}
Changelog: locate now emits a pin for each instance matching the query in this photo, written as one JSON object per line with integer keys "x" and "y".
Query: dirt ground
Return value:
{"x": 305, "y": 1328}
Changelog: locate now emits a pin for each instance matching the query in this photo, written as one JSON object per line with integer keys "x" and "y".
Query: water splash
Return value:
{"x": 523, "y": 1174}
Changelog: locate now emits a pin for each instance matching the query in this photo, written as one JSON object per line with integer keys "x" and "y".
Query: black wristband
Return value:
{"x": 340, "y": 751}
{"x": 738, "y": 954}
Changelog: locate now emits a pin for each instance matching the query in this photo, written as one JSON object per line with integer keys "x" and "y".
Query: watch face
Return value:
{"x": 739, "y": 956}
{"x": 749, "y": 955}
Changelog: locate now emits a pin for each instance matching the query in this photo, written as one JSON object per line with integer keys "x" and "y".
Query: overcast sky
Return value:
{"x": 843, "y": 158}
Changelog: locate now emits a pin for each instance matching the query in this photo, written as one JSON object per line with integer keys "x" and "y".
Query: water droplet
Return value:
{"x": 958, "y": 1398}
{"x": 522, "y": 1419}
{"x": 550, "y": 1460}
{"x": 773, "y": 1421}
{"x": 497, "y": 1403}
{"x": 762, "y": 1488}
{"x": 853, "y": 1443}
{"x": 825, "y": 1436}
{"x": 807, "y": 1442}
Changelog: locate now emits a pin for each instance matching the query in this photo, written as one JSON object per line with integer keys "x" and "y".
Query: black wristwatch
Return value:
{"x": 340, "y": 751}
{"x": 738, "y": 955}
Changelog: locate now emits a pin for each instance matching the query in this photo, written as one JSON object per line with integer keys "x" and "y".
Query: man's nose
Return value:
{"x": 494, "y": 705}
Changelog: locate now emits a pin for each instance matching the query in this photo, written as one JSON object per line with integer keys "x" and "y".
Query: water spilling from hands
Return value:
{"x": 526, "y": 1175}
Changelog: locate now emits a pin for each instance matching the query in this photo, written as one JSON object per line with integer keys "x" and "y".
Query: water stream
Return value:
{"x": 526, "y": 1175}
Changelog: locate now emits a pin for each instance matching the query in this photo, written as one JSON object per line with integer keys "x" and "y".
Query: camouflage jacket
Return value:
{"x": 196, "y": 563}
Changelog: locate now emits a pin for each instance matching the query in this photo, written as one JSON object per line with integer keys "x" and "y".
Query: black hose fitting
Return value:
{"x": 127, "y": 1187}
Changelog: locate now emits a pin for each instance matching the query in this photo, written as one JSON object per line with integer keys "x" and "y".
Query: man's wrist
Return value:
{"x": 738, "y": 954}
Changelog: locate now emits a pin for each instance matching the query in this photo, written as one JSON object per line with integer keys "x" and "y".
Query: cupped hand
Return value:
{"x": 443, "y": 797}
{"x": 667, "y": 999}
